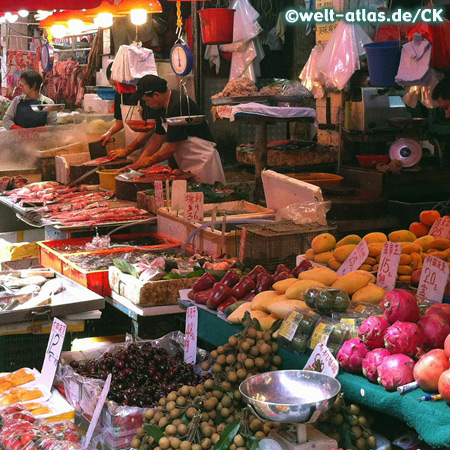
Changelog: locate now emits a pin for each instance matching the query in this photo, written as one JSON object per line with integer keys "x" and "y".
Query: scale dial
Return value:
{"x": 181, "y": 59}
{"x": 47, "y": 55}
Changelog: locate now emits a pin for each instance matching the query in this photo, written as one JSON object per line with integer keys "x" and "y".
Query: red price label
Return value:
{"x": 440, "y": 228}
{"x": 355, "y": 260}
{"x": 389, "y": 262}
{"x": 193, "y": 207}
{"x": 159, "y": 194}
{"x": 433, "y": 279}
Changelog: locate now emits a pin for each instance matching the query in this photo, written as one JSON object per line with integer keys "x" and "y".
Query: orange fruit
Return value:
{"x": 419, "y": 229}
{"x": 428, "y": 217}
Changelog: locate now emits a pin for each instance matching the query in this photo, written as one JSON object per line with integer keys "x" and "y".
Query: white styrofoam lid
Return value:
{"x": 281, "y": 190}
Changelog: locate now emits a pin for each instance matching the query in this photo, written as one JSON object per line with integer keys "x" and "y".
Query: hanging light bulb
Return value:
{"x": 138, "y": 16}
{"x": 2, "y": 19}
{"x": 138, "y": 9}
{"x": 41, "y": 15}
{"x": 58, "y": 31}
{"x": 23, "y": 13}
{"x": 11, "y": 17}
{"x": 75, "y": 26}
{"x": 104, "y": 20}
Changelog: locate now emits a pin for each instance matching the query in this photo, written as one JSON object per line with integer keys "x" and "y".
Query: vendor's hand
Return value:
{"x": 118, "y": 153}
{"x": 105, "y": 138}
{"x": 141, "y": 163}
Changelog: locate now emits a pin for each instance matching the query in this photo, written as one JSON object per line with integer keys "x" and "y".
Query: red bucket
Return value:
{"x": 217, "y": 25}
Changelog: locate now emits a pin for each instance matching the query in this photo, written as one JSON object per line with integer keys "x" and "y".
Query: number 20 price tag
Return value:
{"x": 54, "y": 347}
{"x": 433, "y": 279}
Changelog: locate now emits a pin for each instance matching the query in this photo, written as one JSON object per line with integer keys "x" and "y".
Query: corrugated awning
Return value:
{"x": 46, "y": 5}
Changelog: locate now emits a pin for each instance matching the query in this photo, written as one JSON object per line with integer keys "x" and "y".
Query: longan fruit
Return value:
{"x": 185, "y": 445}
{"x": 181, "y": 401}
{"x": 196, "y": 447}
{"x": 207, "y": 431}
{"x": 230, "y": 359}
{"x": 191, "y": 412}
{"x": 266, "y": 429}
{"x": 232, "y": 340}
{"x": 206, "y": 444}
{"x": 221, "y": 359}
{"x": 217, "y": 368}
{"x": 354, "y": 409}
{"x": 275, "y": 347}
{"x": 177, "y": 422}
{"x": 259, "y": 362}
{"x": 357, "y": 432}
{"x": 215, "y": 438}
{"x": 267, "y": 336}
{"x": 220, "y": 427}
{"x": 149, "y": 414}
{"x": 226, "y": 401}
{"x": 265, "y": 349}
{"x": 225, "y": 413}
{"x": 229, "y": 419}
{"x": 184, "y": 390}
{"x": 171, "y": 430}
{"x": 163, "y": 422}
{"x": 205, "y": 366}
{"x": 214, "y": 354}
{"x": 170, "y": 405}
{"x": 372, "y": 441}
{"x": 193, "y": 391}
{"x": 249, "y": 363}
{"x": 226, "y": 386}
{"x": 172, "y": 397}
{"x": 209, "y": 384}
{"x": 182, "y": 429}
{"x": 212, "y": 415}
{"x": 164, "y": 443}
{"x": 239, "y": 366}
{"x": 256, "y": 425}
{"x": 241, "y": 374}
{"x": 220, "y": 349}
{"x": 237, "y": 395}
{"x": 245, "y": 347}
{"x": 239, "y": 440}
{"x": 260, "y": 434}
{"x": 251, "y": 333}
{"x": 175, "y": 442}
{"x": 361, "y": 443}
{"x": 136, "y": 443}
{"x": 209, "y": 404}
{"x": 175, "y": 413}
{"x": 157, "y": 416}
{"x": 276, "y": 360}
{"x": 162, "y": 402}
{"x": 250, "y": 341}
{"x": 205, "y": 417}
{"x": 254, "y": 350}
{"x": 218, "y": 394}
{"x": 241, "y": 448}
{"x": 140, "y": 431}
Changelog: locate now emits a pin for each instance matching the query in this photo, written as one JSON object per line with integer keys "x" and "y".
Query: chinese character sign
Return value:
{"x": 355, "y": 260}
{"x": 193, "y": 207}
{"x": 389, "y": 262}
{"x": 190, "y": 338}
{"x": 159, "y": 194}
{"x": 322, "y": 360}
{"x": 433, "y": 279}
{"x": 440, "y": 228}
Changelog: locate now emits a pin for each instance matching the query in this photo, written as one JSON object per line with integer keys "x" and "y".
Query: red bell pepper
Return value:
{"x": 243, "y": 287}
{"x": 230, "y": 279}
{"x": 264, "y": 282}
{"x": 202, "y": 296}
{"x": 229, "y": 301}
{"x": 254, "y": 273}
{"x": 218, "y": 295}
{"x": 302, "y": 267}
{"x": 282, "y": 276}
{"x": 207, "y": 281}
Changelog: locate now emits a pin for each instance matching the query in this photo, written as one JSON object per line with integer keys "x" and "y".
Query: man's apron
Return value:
{"x": 135, "y": 113}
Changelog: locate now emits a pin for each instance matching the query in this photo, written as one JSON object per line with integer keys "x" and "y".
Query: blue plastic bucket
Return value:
{"x": 383, "y": 59}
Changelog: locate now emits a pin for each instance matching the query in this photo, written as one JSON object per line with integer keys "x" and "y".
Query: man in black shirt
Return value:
{"x": 192, "y": 146}
{"x": 441, "y": 94}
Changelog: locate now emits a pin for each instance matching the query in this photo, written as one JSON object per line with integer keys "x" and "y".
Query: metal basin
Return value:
{"x": 290, "y": 395}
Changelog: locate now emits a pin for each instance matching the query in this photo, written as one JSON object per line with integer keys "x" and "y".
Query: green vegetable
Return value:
{"x": 125, "y": 267}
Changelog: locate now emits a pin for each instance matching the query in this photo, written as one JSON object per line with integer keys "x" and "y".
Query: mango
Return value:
{"x": 375, "y": 267}
{"x": 237, "y": 316}
{"x": 375, "y": 249}
{"x": 372, "y": 238}
{"x": 440, "y": 244}
{"x": 402, "y": 236}
{"x": 366, "y": 267}
{"x": 321, "y": 274}
{"x": 309, "y": 254}
{"x": 405, "y": 259}
{"x": 260, "y": 299}
{"x": 371, "y": 261}
{"x": 378, "y": 258}
{"x": 342, "y": 253}
{"x": 424, "y": 242}
{"x": 351, "y": 282}
{"x": 323, "y": 243}
{"x": 406, "y": 269}
{"x": 322, "y": 258}
{"x": 281, "y": 286}
{"x": 296, "y": 290}
{"x": 258, "y": 315}
{"x": 267, "y": 322}
{"x": 406, "y": 278}
{"x": 280, "y": 309}
{"x": 409, "y": 247}
{"x": 369, "y": 294}
{"x": 370, "y": 276}
{"x": 350, "y": 239}
{"x": 441, "y": 255}
{"x": 334, "y": 264}
{"x": 416, "y": 259}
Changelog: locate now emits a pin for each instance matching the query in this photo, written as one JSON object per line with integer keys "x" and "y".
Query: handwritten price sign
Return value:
{"x": 159, "y": 194}
{"x": 440, "y": 228}
{"x": 389, "y": 262}
{"x": 322, "y": 360}
{"x": 190, "y": 338}
{"x": 433, "y": 279}
{"x": 193, "y": 207}
{"x": 54, "y": 347}
{"x": 356, "y": 258}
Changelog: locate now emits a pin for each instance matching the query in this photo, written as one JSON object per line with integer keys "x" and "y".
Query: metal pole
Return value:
{"x": 197, "y": 50}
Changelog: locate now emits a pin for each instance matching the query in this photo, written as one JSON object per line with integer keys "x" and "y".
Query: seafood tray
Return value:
{"x": 50, "y": 252}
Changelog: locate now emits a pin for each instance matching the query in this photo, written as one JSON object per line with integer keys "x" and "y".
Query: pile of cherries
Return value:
{"x": 141, "y": 375}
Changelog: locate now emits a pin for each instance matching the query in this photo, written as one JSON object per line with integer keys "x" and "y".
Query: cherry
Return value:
{"x": 120, "y": 364}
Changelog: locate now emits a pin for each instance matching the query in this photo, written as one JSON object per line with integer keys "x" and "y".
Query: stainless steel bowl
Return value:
{"x": 185, "y": 120}
{"x": 290, "y": 395}
{"x": 48, "y": 107}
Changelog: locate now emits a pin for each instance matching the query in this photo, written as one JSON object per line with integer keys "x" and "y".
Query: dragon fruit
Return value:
{"x": 395, "y": 371}
{"x": 401, "y": 305}
{"x": 404, "y": 337}
{"x": 371, "y": 362}
{"x": 372, "y": 331}
{"x": 351, "y": 355}
{"x": 435, "y": 329}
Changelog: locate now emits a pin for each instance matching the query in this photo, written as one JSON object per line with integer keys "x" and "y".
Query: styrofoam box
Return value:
{"x": 63, "y": 163}
{"x": 33, "y": 235}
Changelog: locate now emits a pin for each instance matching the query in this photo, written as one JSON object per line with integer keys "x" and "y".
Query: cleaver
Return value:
{"x": 97, "y": 150}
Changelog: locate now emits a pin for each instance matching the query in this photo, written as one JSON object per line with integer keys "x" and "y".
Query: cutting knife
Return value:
{"x": 97, "y": 150}
{"x": 94, "y": 170}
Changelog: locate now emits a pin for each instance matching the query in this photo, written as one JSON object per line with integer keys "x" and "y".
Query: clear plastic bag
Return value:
{"x": 310, "y": 75}
{"x": 423, "y": 94}
{"x": 331, "y": 332}
{"x": 305, "y": 213}
{"x": 245, "y": 25}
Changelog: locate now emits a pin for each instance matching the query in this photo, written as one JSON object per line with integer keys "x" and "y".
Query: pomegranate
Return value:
{"x": 395, "y": 371}
{"x": 404, "y": 337}
{"x": 351, "y": 355}
{"x": 371, "y": 362}
{"x": 435, "y": 329}
{"x": 447, "y": 346}
{"x": 372, "y": 331}
{"x": 429, "y": 368}
{"x": 444, "y": 385}
{"x": 441, "y": 309}
{"x": 401, "y": 305}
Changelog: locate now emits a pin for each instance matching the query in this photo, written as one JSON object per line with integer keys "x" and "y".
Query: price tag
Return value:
{"x": 159, "y": 194}
{"x": 242, "y": 244}
{"x": 290, "y": 325}
{"x": 54, "y": 347}
{"x": 440, "y": 228}
{"x": 97, "y": 411}
{"x": 322, "y": 360}
{"x": 433, "y": 279}
{"x": 355, "y": 260}
{"x": 321, "y": 334}
{"x": 389, "y": 262}
{"x": 193, "y": 207}
{"x": 190, "y": 338}
{"x": 179, "y": 189}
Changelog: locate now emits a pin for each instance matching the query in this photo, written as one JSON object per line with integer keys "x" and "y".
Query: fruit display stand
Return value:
{"x": 430, "y": 419}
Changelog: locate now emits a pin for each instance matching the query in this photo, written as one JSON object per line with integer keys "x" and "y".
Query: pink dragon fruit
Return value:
{"x": 372, "y": 331}
{"x": 404, "y": 337}
{"x": 401, "y": 305}
{"x": 395, "y": 371}
{"x": 435, "y": 329}
{"x": 371, "y": 362}
{"x": 351, "y": 355}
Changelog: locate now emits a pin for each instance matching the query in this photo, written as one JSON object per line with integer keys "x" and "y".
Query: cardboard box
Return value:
{"x": 328, "y": 138}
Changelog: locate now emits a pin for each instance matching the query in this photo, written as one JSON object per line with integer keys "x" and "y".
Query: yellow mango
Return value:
{"x": 369, "y": 294}
{"x": 370, "y": 276}
{"x": 423, "y": 255}
{"x": 342, "y": 253}
{"x": 334, "y": 264}
{"x": 375, "y": 249}
{"x": 378, "y": 258}
{"x": 260, "y": 298}
{"x": 351, "y": 282}
{"x": 424, "y": 242}
{"x": 366, "y": 267}
{"x": 416, "y": 259}
{"x": 280, "y": 309}
{"x": 406, "y": 278}
{"x": 321, "y": 274}
{"x": 237, "y": 316}
{"x": 322, "y": 258}
{"x": 409, "y": 247}
{"x": 372, "y": 238}
{"x": 402, "y": 236}
{"x": 350, "y": 239}
{"x": 323, "y": 243}
{"x": 258, "y": 315}
{"x": 264, "y": 305}
{"x": 405, "y": 259}
{"x": 441, "y": 255}
{"x": 447, "y": 251}
{"x": 296, "y": 291}
{"x": 267, "y": 322}
{"x": 281, "y": 286}
{"x": 309, "y": 254}
{"x": 406, "y": 269}
{"x": 375, "y": 267}
{"x": 371, "y": 261}
{"x": 440, "y": 244}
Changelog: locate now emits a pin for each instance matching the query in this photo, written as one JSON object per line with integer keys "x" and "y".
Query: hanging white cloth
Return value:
{"x": 133, "y": 62}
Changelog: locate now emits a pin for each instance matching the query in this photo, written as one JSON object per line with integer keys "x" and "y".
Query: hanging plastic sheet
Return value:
{"x": 423, "y": 94}
{"x": 310, "y": 75}
{"x": 213, "y": 56}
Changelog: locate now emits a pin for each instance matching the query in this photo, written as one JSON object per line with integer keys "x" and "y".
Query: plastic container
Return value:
{"x": 318, "y": 179}
{"x": 107, "y": 179}
{"x": 383, "y": 59}
{"x": 106, "y": 93}
{"x": 370, "y": 161}
{"x": 217, "y": 25}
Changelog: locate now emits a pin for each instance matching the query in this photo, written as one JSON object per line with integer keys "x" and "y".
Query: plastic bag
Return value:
{"x": 331, "y": 332}
{"x": 310, "y": 75}
{"x": 245, "y": 25}
{"x": 423, "y": 94}
{"x": 305, "y": 213}
{"x": 391, "y": 33}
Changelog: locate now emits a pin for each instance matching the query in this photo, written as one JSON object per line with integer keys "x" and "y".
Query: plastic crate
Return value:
{"x": 25, "y": 350}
